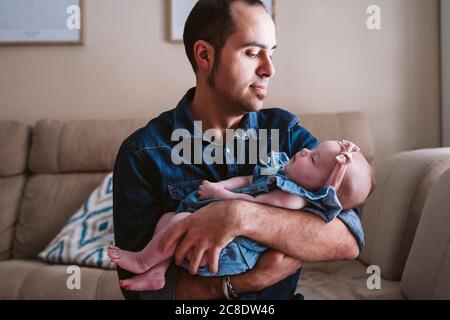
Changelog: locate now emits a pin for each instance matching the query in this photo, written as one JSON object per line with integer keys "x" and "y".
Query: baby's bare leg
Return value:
{"x": 152, "y": 280}
{"x": 163, "y": 221}
{"x": 140, "y": 262}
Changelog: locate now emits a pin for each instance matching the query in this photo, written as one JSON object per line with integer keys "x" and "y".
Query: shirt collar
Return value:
{"x": 183, "y": 115}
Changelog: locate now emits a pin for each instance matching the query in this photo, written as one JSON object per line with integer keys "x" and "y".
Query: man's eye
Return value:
{"x": 252, "y": 55}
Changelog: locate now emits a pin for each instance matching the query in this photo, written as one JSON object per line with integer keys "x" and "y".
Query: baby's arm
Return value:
{"x": 276, "y": 198}
{"x": 236, "y": 182}
{"x": 209, "y": 190}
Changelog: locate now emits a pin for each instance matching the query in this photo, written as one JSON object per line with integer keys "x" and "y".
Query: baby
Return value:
{"x": 323, "y": 181}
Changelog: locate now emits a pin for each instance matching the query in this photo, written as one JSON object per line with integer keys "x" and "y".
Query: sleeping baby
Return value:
{"x": 332, "y": 178}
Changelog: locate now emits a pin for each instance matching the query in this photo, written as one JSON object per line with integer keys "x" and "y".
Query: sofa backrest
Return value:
{"x": 68, "y": 159}
{"x": 78, "y": 146}
{"x": 353, "y": 126}
{"x": 14, "y": 145}
{"x": 427, "y": 271}
{"x": 392, "y": 214}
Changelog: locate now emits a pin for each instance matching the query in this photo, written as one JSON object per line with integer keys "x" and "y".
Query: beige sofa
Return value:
{"x": 47, "y": 171}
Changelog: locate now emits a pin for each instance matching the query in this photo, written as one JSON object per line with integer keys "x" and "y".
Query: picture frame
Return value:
{"x": 41, "y": 22}
{"x": 179, "y": 11}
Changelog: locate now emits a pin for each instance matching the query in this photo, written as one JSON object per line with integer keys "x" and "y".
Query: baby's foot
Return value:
{"x": 152, "y": 280}
{"x": 127, "y": 260}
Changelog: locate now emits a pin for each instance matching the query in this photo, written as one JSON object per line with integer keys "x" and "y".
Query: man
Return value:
{"x": 230, "y": 44}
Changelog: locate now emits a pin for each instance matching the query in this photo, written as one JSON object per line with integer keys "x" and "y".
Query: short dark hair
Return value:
{"x": 211, "y": 21}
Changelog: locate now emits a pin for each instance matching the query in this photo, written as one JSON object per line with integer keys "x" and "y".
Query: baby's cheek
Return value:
{"x": 314, "y": 180}
{"x": 305, "y": 179}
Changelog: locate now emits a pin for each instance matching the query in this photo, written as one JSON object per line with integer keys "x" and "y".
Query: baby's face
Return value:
{"x": 312, "y": 168}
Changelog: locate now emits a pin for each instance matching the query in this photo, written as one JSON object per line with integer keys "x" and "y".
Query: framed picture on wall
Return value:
{"x": 180, "y": 9}
{"x": 25, "y": 22}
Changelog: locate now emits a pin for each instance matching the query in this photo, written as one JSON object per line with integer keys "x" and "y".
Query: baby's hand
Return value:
{"x": 209, "y": 190}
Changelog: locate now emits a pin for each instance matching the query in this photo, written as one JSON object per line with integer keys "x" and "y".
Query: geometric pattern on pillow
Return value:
{"x": 85, "y": 238}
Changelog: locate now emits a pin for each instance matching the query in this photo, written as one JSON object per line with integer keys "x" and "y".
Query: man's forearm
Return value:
{"x": 191, "y": 287}
{"x": 298, "y": 234}
{"x": 271, "y": 268}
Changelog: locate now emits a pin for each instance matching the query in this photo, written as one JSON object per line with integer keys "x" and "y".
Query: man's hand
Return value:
{"x": 206, "y": 232}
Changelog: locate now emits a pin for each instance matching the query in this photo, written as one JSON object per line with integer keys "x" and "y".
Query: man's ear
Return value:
{"x": 204, "y": 55}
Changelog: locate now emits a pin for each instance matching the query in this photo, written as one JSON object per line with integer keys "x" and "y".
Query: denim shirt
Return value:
{"x": 147, "y": 184}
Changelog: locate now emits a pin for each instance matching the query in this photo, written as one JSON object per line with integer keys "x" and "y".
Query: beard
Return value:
{"x": 244, "y": 102}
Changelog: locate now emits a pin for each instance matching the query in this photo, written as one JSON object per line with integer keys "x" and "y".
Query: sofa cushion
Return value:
{"x": 343, "y": 280}
{"x": 14, "y": 145}
{"x": 13, "y": 273}
{"x": 85, "y": 238}
{"x": 31, "y": 279}
{"x": 48, "y": 203}
{"x": 391, "y": 215}
{"x": 427, "y": 271}
{"x": 11, "y": 190}
{"x": 78, "y": 146}
{"x": 353, "y": 126}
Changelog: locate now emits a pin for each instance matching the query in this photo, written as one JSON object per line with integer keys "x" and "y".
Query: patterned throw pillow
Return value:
{"x": 85, "y": 238}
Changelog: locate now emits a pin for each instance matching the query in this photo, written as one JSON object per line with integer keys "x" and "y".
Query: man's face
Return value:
{"x": 241, "y": 78}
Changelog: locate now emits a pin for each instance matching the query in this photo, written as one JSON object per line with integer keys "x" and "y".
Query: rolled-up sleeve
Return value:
{"x": 352, "y": 219}
{"x": 137, "y": 209}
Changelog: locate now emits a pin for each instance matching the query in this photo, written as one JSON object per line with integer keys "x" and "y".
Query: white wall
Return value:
{"x": 445, "y": 60}
{"x": 327, "y": 61}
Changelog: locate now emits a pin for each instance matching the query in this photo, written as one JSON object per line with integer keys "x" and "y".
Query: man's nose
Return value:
{"x": 266, "y": 69}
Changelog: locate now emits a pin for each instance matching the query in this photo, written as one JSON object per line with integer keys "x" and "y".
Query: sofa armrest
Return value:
{"x": 427, "y": 271}
{"x": 391, "y": 215}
